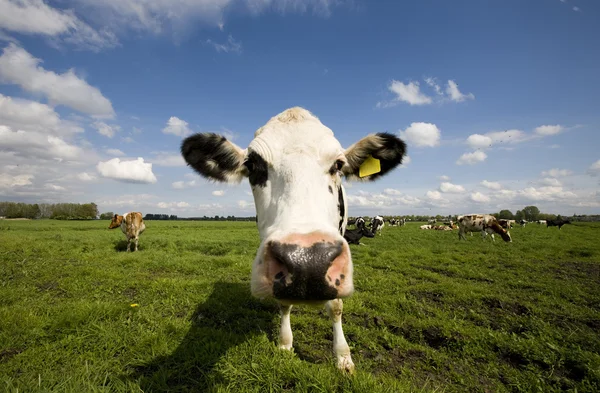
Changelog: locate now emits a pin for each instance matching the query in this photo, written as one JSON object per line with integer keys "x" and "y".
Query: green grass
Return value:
{"x": 430, "y": 313}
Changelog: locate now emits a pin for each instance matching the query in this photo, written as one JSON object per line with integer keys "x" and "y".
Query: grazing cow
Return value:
{"x": 377, "y": 225}
{"x": 132, "y": 226}
{"x": 393, "y": 222}
{"x": 425, "y": 226}
{"x": 402, "y": 222}
{"x": 432, "y": 221}
{"x": 504, "y": 223}
{"x": 559, "y": 222}
{"x": 484, "y": 223}
{"x": 353, "y": 236}
{"x": 541, "y": 222}
{"x": 523, "y": 223}
{"x": 295, "y": 167}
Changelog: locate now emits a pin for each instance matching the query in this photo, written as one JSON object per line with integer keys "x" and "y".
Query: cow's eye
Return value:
{"x": 339, "y": 164}
{"x": 249, "y": 165}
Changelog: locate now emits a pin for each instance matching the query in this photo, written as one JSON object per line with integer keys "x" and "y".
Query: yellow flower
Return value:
{"x": 135, "y": 305}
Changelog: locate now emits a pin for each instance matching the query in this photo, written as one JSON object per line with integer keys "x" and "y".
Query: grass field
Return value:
{"x": 430, "y": 313}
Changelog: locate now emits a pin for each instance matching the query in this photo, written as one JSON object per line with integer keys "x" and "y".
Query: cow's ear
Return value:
{"x": 214, "y": 157}
{"x": 373, "y": 156}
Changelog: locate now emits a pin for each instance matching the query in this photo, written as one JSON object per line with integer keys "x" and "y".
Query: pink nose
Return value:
{"x": 313, "y": 266}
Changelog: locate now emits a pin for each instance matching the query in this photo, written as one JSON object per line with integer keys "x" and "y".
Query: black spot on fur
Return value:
{"x": 308, "y": 276}
{"x": 258, "y": 169}
{"x": 337, "y": 282}
{"x": 330, "y": 189}
{"x": 210, "y": 155}
{"x": 341, "y": 209}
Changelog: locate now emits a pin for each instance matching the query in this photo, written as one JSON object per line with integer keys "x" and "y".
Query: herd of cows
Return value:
{"x": 295, "y": 167}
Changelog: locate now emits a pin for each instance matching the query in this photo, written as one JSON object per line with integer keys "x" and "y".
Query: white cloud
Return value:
{"x": 444, "y": 178}
{"x": 37, "y": 145}
{"x": 218, "y": 193}
{"x": 471, "y": 158}
{"x": 479, "y": 197}
{"x": 26, "y": 115}
{"x": 172, "y": 205}
{"x": 451, "y": 188}
{"x": 422, "y": 134}
{"x": 576, "y": 9}
{"x": 135, "y": 171}
{"x": 180, "y": 185}
{"x": 8, "y": 181}
{"x": 391, "y": 191}
{"x": 167, "y": 159}
{"x": 594, "y": 169}
{"x": 455, "y": 94}
{"x": 432, "y": 82}
{"x": 491, "y": 185}
{"x": 549, "y": 130}
{"x": 409, "y": 93}
{"x": 36, "y": 17}
{"x": 245, "y": 205}
{"x": 176, "y": 126}
{"x": 405, "y": 161}
{"x": 477, "y": 141}
{"x": 84, "y": 176}
{"x": 230, "y": 46}
{"x": 54, "y": 187}
{"x": 550, "y": 181}
{"x": 434, "y": 195}
{"x": 107, "y": 130}
{"x": 115, "y": 152}
{"x": 128, "y": 139}
{"x": 555, "y": 172}
{"x": 18, "y": 67}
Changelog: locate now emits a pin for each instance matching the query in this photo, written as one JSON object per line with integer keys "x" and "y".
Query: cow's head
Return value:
{"x": 295, "y": 167}
{"x": 115, "y": 222}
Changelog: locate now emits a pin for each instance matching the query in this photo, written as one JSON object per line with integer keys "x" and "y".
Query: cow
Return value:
{"x": 504, "y": 223}
{"x": 484, "y": 223}
{"x": 559, "y": 222}
{"x": 523, "y": 223}
{"x": 431, "y": 221}
{"x": 425, "y": 226}
{"x": 132, "y": 226}
{"x": 442, "y": 228}
{"x": 402, "y": 222}
{"x": 393, "y": 222}
{"x": 377, "y": 224}
{"x": 353, "y": 236}
{"x": 541, "y": 222}
{"x": 295, "y": 167}
{"x": 360, "y": 222}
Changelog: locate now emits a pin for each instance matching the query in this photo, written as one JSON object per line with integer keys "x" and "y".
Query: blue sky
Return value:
{"x": 496, "y": 100}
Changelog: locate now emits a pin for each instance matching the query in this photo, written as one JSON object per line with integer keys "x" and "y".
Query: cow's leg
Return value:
{"x": 341, "y": 349}
{"x": 128, "y": 244}
{"x": 136, "y": 243}
{"x": 285, "y": 332}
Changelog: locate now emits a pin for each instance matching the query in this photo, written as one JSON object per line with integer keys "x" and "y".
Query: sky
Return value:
{"x": 496, "y": 100}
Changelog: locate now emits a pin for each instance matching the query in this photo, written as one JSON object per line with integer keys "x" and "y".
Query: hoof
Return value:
{"x": 346, "y": 365}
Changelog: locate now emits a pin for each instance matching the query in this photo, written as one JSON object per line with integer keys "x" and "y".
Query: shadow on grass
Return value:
{"x": 121, "y": 246}
{"x": 229, "y": 317}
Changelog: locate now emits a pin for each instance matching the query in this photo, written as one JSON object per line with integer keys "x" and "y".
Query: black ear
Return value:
{"x": 385, "y": 147}
{"x": 214, "y": 157}
{"x": 116, "y": 215}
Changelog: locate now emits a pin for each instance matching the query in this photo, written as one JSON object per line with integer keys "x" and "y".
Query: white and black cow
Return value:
{"x": 559, "y": 222}
{"x": 295, "y": 167}
{"x": 377, "y": 224}
{"x": 353, "y": 236}
{"x": 484, "y": 223}
{"x": 360, "y": 222}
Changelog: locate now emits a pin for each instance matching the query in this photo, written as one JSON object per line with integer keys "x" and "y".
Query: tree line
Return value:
{"x": 57, "y": 211}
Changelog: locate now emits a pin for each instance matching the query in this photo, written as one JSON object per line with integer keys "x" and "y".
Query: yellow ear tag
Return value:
{"x": 369, "y": 166}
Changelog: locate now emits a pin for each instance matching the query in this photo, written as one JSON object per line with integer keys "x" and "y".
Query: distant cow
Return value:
{"x": 541, "y": 222}
{"x": 559, "y": 222}
{"x": 353, "y": 236}
{"x": 295, "y": 166}
{"x": 360, "y": 222}
{"x": 427, "y": 226}
{"x": 132, "y": 226}
{"x": 484, "y": 223}
{"x": 377, "y": 225}
{"x": 432, "y": 221}
{"x": 393, "y": 222}
{"x": 523, "y": 223}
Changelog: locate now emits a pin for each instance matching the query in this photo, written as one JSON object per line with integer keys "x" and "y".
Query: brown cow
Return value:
{"x": 132, "y": 226}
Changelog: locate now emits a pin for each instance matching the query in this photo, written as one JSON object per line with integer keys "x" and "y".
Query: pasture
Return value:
{"x": 430, "y": 313}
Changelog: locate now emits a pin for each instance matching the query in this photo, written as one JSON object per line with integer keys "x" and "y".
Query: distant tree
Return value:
{"x": 519, "y": 215}
{"x": 506, "y": 214}
{"x": 107, "y": 216}
{"x": 531, "y": 213}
